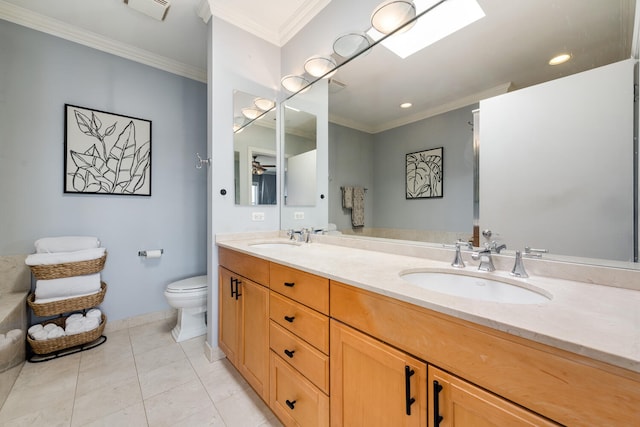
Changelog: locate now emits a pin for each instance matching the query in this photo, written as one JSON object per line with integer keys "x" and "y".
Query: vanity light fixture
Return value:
{"x": 294, "y": 83}
{"x": 392, "y": 14}
{"x": 264, "y": 104}
{"x": 251, "y": 113}
{"x": 349, "y": 44}
{"x": 406, "y": 105}
{"x": 318, "y": 66}
{"x": 560, "y": 59}
{"x": 238, "y": 124}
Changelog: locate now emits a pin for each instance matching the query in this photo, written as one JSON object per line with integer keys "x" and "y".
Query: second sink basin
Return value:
{"x": 474, "y": 287}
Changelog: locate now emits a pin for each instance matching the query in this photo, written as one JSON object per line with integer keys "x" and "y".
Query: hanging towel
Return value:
{"x": 357, "y": 210}
{"x": 347, "y": 197}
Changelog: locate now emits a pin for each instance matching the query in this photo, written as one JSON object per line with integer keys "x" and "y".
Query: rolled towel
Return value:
{"x": 67, "y": 287}
{"x": 55, "y": 333}
{"x": 90, "y": 323}
{"x": 66, "y": 243}
{"x": 64, "y": 257}
{"x": 49, "y": 326}
{"x": 74, "y": 318}
{"x": 15, "y": 334}
{"x": 74, "y": 328}
{"x": 4, "y": 342}
{"x": 35, "y": 328}
{"x": 40, "y": 335}
{"x": 94, "y": 312}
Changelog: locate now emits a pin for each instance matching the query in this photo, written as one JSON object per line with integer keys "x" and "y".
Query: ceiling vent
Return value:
{"x": 156, "y": 9}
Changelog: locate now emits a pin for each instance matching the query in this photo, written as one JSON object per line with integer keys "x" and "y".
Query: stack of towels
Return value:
{"x": 74, "y": 324}
{"x": 61, "y": 250}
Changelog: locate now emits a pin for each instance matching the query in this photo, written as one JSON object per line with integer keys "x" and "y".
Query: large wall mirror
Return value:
{"x": 300, "y": 157}
{"x": 504, "y": 51}
{"x": 254, "y": 150}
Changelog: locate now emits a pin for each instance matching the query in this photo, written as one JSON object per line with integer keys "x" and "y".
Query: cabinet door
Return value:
{"x": 373, "y": 384}
{"x": 228, "y": 332}
{"x": 253, "y": 354}
{"x": 455, "y": 402}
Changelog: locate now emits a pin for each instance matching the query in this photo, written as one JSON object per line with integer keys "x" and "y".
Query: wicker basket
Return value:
{"x": 66, "y": 305}
{"x": 69, "y": 269}
{"x": 57, "y": 344}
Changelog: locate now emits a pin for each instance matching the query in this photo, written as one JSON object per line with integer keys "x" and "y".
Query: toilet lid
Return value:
{"x": 190, "y": 284}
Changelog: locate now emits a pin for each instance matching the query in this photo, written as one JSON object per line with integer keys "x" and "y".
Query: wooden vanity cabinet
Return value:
{"x": 454, "y": 402}
{"x": 244, "y": 320}
{"x": 373, "y": 384}
{"x": 299, "y": 341}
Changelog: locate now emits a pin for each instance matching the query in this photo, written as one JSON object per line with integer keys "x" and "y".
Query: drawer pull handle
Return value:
{"x": 289, "y": 353}
{"x": 408, "y": 373}
{"x": 290, "y": 404}
{"x": 289, "y": 284}
{"x": 289, "y": 319}
{"x": 437, "y": 418}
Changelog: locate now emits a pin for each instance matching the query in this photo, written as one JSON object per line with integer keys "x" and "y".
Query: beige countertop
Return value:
{"x": 593, "y": 320}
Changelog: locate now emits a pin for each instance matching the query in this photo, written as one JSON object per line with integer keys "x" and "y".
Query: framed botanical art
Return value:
{"x": 106, "y": 153}
{"x": 424, "y": 170}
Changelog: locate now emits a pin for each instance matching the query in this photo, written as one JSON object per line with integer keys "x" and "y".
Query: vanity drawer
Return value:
{"x": 307, "y": 324}
{"x": 253, "y": 268}
{"x": 309, "y": 361}
{"x": 308, "y": 289}
{"x": 295, "y": 400}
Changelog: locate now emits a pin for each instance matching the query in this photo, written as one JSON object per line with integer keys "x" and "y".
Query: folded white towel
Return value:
{"x": 55, "y": 333}
{"x": 91, "y": 323}
{"x": 67, "y": 287}
{"x": 74, "y": 328}
{"x": 64, "y": 257}
{"x": 35, "y": 328}
{"x": 94, "y": 312}
{"x": 66, "y": 244}
{"x": 50, "y": 326}
{"x": 40, "y": 335}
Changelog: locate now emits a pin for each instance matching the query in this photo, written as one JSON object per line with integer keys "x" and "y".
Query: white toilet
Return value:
{"x": 189, "y": 296}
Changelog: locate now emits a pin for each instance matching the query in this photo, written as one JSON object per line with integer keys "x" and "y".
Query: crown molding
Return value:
{"x": 54, "y": 27}
{"x": 304, "y": 15}
{"x": 440, "y": 109}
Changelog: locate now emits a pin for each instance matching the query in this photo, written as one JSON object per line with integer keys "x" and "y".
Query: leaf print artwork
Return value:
{"x": 111, "y": 159}
{"x": 424, "y": 174}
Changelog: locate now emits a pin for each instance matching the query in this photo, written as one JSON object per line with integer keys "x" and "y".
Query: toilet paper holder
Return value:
{"x": 144, "y": 253}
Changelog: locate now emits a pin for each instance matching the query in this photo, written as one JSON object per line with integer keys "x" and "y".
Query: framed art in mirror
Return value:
{"x": 424, "y": 170}
{"x": 106, "y": 153}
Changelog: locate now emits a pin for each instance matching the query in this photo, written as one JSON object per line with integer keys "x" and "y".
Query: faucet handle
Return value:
{"x": 518, "y": 269}
{"x": 458, "y": 262}
{"x": 535, "y": 252}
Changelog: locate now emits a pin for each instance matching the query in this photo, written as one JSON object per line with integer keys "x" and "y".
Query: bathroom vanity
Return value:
{"x": 347, "y": 341}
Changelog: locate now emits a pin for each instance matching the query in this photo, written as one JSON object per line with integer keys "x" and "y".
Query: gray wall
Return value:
{"x": 378, "y": 163}
{"x": 38, "y": 75}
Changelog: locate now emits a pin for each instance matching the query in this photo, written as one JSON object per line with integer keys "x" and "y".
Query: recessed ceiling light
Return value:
{"x": 560, "y": 59}
{"x": 406, "y": 105}
{"x": 441, "y": 21}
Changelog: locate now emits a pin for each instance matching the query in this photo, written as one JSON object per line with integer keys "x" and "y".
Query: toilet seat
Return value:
{"x": 190, "y": 285}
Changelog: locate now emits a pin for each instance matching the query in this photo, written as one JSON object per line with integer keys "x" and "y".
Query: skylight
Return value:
{"x": 445, "y": 19}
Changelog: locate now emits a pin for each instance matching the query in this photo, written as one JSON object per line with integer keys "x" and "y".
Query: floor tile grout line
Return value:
{"x": 135, "y": 364}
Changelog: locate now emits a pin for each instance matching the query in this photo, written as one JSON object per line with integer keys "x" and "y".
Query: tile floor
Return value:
{"x": 139, "y": 377}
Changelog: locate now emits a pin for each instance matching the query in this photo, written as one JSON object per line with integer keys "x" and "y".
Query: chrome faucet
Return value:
{"x": 486, "y": 263}
{"x": 518, "y": 267}
{"x": 458, "y": 262}
{"x": 496, "y": 248}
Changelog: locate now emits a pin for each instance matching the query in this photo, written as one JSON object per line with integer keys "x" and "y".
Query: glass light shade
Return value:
{"x": 392, "y": 14}
{"x": 294, "y": 83}
{"x": 264, "y": 104}
{"x": 238, "y": 124}
{"x": 349, "y": 44}
{"x": 251, "y": 113}
{"x": 319, "y": 65}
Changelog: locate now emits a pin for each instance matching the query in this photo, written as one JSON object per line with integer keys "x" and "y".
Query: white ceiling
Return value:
{"x": 510, "y": 46}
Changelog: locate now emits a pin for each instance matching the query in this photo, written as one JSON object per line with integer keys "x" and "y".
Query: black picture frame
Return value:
{"x": 106, "y": 153}
{"x": 425, "y": 174}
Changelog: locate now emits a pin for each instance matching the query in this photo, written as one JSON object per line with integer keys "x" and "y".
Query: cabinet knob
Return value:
{"x": 289, "y": 353}
{"x": 289, "y": 319}
{"x": 290, "y": 404}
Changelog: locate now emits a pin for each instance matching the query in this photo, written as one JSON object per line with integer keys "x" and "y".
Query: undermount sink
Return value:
{"x": 474, "y": 287}
{"x": 274, "y": 245}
